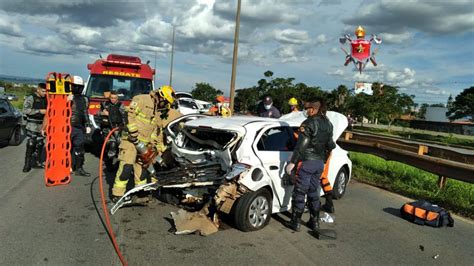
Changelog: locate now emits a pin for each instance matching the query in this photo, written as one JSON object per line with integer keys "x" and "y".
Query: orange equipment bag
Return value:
{"x": 423, "y": 212}
{"x": 58, "y": 130}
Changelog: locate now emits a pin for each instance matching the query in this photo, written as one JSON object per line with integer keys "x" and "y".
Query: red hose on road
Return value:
{"x": 104, "y": 206}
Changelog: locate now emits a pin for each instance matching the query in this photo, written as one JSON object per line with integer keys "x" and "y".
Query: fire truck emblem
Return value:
{"x": 360, "y": 49}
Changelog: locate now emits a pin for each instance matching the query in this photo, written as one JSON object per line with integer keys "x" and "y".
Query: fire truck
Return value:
{"x": 121, "y": 73}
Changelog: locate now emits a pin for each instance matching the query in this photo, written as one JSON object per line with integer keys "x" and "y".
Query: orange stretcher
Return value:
{"x": 58, "y": 130}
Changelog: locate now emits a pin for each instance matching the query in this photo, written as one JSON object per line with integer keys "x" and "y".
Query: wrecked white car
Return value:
{"x": 238, "y": 164}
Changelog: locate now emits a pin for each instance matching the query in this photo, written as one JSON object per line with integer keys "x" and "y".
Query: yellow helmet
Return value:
{"x": 293, "y": 101}
{"x": 360, "y": 32}
{"x": 167, "y": 92}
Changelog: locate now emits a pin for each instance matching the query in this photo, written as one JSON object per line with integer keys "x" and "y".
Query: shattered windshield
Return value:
{"x": 203, "y": 138}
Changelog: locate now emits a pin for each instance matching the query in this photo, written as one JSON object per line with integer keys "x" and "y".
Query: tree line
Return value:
{"x": 385, "y": 104}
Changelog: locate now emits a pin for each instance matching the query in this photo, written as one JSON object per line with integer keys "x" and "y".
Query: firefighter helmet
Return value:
{"x": 360, "y": 32}
{"x": 293, "y": 101}
{"x": 77, "y": 80}
{"x": 167, "y": 92}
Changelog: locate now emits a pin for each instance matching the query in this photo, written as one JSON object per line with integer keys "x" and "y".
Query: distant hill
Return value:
{"x": 16, "y": 79}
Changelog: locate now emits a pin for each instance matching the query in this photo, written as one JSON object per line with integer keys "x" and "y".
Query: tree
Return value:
{"x": 205, "y": 92}
{"x": 422, "y": 111}
{"x": 463, "y": 105}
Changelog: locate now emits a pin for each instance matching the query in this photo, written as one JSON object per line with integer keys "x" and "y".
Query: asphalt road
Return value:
{"x": 61, "y": 226}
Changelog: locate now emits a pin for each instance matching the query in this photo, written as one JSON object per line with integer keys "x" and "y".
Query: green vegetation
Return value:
{"x": 412, "y": 182}
{"x": 413, "y": 135}
{"x": 20, "y": 92}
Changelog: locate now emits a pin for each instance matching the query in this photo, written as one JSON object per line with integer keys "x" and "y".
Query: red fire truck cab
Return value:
{"x": 123, "y": 74}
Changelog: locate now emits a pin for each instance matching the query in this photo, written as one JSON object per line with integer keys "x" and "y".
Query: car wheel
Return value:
{"x": 15, "y": 139}
{"x": 341, "y": 183}
{"x": 253, "y": 211}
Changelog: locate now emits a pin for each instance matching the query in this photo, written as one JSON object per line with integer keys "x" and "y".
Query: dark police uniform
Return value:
{"x": 313, "y": 146}
{"x": 34, "y": 121}
{"x": 79, "y": 122}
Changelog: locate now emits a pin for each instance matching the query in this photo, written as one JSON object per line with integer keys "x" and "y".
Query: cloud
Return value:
{"x": 396, "y": 38}
{"x": 48, "y": 45}
{"x": 291, "y": 53}
{"x": 432, "y": 17}
{"x": 9, "y": 27}
{"x": 436, "y": 91}
{"x": 83, "y": 12}
{"x": 292, "y": 36}
{"x": 338, "y": 73}
{"x": 258, "y": 13}
{"x": 321, "y": 39}
{"x": 334, "y": 51}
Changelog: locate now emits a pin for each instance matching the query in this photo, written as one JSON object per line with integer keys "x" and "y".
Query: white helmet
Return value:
{"x": 77, "y": 80}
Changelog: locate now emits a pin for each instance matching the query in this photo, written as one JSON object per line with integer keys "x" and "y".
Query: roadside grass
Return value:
{"x": 20, "y": 92}
{"x": 409, "y": 134}
{"x": 412, "y": 182}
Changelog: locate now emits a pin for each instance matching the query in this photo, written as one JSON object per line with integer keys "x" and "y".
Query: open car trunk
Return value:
{"x": 202, "y": 154}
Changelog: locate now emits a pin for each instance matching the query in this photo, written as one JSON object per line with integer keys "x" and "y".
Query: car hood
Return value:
{"x": 338, "y": 121}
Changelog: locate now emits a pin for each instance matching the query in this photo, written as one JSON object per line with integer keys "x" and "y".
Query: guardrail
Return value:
{"x": 445, "y": 163}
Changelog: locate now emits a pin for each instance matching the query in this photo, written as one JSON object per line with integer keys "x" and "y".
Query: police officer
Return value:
{"x": 34, "y": 108}
{"x": 219, "y": 109}
{"x": 312, "y": 148}
{"x": 80, "y": 125}
{"x": 267, "y": 109}
{"x": 113, "y": 115}
{"x": 147, "y": 116}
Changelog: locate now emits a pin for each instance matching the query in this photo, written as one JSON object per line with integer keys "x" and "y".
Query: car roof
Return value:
{"x": 242, "y": 123}
{"x": 236, "y": 123}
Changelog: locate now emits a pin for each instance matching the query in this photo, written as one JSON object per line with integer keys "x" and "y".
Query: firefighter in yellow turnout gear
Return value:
{"x": 148, "y": 115}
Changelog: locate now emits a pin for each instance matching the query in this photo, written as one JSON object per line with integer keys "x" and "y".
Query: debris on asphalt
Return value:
{"x": 190, "y": 222}
{"x": 436, "y": 256}
{"x": 422, "y": 248}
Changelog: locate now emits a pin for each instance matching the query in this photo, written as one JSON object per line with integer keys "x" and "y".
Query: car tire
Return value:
{"x": 253, "y": 210}
{"x": 15, "y": 138}
{"x": 340, "y": 184}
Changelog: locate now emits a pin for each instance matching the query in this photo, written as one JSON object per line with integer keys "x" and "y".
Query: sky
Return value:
{"x": 427, "y": 45}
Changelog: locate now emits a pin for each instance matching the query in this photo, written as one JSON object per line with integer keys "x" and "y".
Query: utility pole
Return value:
{"x": 172, "y": 53}
{"x": 154, "y": 77}
{"x": 234, "y": 58}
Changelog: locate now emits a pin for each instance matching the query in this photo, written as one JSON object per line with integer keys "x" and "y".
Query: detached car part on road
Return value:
{"x": 236, "y": 164}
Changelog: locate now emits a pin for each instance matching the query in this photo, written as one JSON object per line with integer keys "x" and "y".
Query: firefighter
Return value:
{"x": 314, "y": 143}
{"x": 112, "y": 112}
{"x": 34, "y": 108}
{"x": 80, "y": 125}
{"x": 293, "y": 105}
{"x": 147, "y": 115}
{"x": 219, "y": 109}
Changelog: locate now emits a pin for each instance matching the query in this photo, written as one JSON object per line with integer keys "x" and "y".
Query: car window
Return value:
{"x": 188, "y": 104}
{"x": 4, "y": 108}
{"x": 276, "y": 139}
{"x": 126, "y": 87}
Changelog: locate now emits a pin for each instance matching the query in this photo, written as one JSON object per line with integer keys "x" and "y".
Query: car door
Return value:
{"x": 7, "y": 121}
{"x": 274, "y": 146}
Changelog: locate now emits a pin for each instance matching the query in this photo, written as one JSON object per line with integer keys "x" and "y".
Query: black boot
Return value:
{"x": 28, "y": 158}
{"x": 81, "y": 172}
{"x": 295, "y": 223}
{"x": 313, "y": 222}
{"x": 328, "y": 205}
{"x": 79, "y": 163}
{"x": 39, "y": 160}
